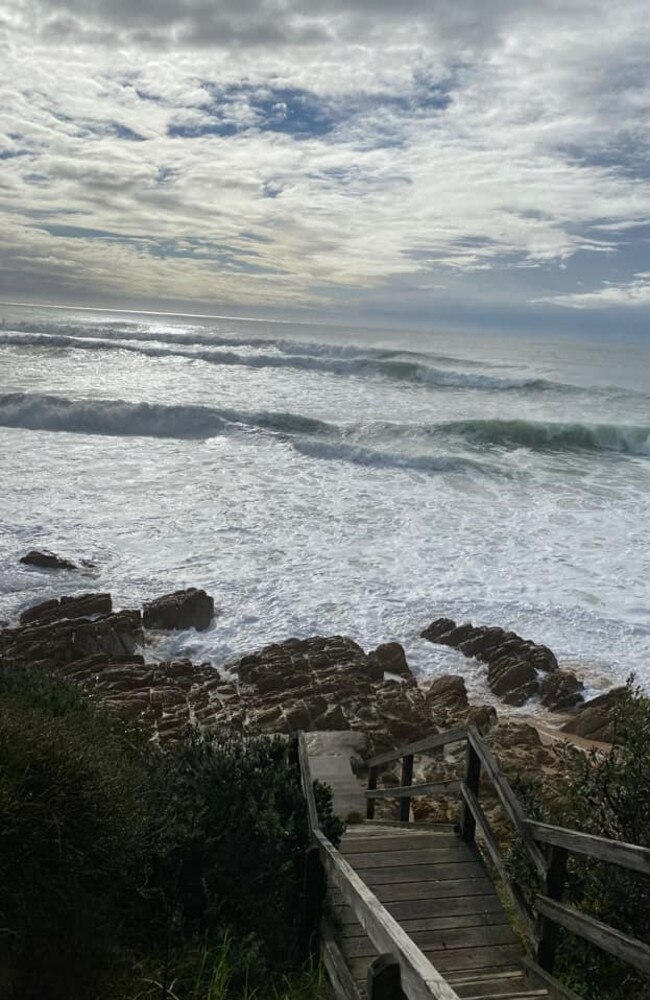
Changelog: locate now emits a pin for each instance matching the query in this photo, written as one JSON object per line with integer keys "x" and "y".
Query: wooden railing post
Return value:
{"x": 548, "y": 930}
{"x": 314, "y": 896}
{"x": 472, "y": 780}
{"x": 384, "y": 981}
{"x": 407, "y": 780}
{"x": 373, "y": 774}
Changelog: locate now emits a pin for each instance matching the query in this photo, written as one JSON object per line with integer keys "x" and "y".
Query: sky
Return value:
{"x": 481, "y": 163}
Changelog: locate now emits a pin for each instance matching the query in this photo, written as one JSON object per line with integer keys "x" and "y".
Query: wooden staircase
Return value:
{"x": 412, "y": 912}
{"x": 437, "y": 888}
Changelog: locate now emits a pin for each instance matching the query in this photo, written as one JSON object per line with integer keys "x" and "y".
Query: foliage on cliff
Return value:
{"x": 115, "y": 856}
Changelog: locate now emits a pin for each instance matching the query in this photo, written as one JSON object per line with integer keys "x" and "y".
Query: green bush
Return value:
{"x": 75, "y": 836}
{"x": 606, "y": 794}
{"x": 115, "y": 856}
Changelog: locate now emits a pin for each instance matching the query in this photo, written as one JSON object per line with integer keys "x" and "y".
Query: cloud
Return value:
{"x": 634, "y": 293}
{"x": 360, "y": 147}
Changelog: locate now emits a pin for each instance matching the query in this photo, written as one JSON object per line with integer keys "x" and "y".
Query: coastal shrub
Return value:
{"x": 606, "y": 794}
{"x": 75, "y": 836}
{"x": 236, "y": 836}
{"x": 116, "y": 857}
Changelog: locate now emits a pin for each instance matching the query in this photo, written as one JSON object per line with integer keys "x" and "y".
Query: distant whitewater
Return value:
{"x": 318, "y": 480}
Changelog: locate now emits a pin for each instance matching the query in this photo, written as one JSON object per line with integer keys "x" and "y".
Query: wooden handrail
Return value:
{"x": 420, "y": 979}
{"x": 406, "y": 791}
{"x": 629, "y": 949}
{"x": 615, "y": 852}
{"x": 420, "y": 746}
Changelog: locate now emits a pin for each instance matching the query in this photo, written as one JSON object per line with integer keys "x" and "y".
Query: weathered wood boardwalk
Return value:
{"x": 437, "y": 889}
{"x": 413, "y": 913}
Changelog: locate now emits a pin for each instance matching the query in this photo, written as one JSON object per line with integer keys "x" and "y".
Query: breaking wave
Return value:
{"x": 37, "y": 411}
{"x": 392, "y": 368}
{"x": 550, "y": 436}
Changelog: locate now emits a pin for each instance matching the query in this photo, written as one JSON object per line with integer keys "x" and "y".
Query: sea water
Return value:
{"x": 321, "y": 480}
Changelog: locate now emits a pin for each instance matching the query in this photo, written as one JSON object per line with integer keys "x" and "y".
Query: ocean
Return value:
{"x": 321, "y": 480}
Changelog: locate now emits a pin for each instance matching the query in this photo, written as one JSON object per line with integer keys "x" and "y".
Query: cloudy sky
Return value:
{"x": 472, "y": 162}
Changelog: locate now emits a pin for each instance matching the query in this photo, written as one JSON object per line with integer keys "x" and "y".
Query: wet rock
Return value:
{"x": 596, "y": 720}
{"x": 53, "y": 644}
{"x": 391, "y": 658}
{"x": 561, "y": 690}
{"x": 447, "y": 692}
{"x": 456, "y": 635}
{"x": 83, "y": 606}
{"x": 514, "y": 682}
{"x": 436, "y": 628}
{"x": 183, "y": 609}
{"x": 45, "y": 559}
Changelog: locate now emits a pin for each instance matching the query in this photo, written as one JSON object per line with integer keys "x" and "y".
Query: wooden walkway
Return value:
{"x": 437, "y": 888}
{"x": 413, "y": 914}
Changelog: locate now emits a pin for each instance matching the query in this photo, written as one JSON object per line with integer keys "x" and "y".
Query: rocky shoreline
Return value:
{"x": 315, "y": 684}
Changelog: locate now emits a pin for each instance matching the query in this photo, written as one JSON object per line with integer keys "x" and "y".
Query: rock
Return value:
{"x": 53, "y": 644}
{"x": 45, "y": 559}
{"x": 561, "y": 690}
{"x": 457, "y": 635}
{"x": 596, "y": 719}
{"x": 483, "y": 641}
{"x": 436, "y": 628}
{"x": 82, "y": 606}
{"x": 514, "y": 682}
{"x": 447, "y": 692}
{"x": 183, "y": 609}
{"x": 391, "y": 658}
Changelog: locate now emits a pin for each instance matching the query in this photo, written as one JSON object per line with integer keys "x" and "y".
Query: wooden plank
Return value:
{"x": 337, "y": 970}
{"x": 419, "y": 979}
{"x": 357, "y": 844}
{"x": 444, "y": 939}
{"x": 513, "y": 891}
{"x": 508, "y": 799}
{"x": 431, "y": 923}
{"x": 307, "y": 783}
{"x": 390, "y": 859}
{"x": 628, "y": 949}
{"x": 414, "y": 909}
{"x": 615, "y": 852}
{"x": 449, "y": 888}
{"x": 420, "y": 746}
{"x": 489, "y": 959}
{"x": 509, "y": 985}
{"x": 440, "y": 788}
{"x": 420, "y": 873}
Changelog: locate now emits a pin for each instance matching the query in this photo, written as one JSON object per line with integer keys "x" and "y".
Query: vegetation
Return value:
{"x": 607, "y": 794}
{"x": 127, "y": 872}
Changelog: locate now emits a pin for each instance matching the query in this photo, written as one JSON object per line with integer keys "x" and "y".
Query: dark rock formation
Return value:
{"x": 183, "y": 609}
{"x": 45, "y": 559}
{"x": 513, "y": 661}
{"x": 595, "y": 721}
{"x": 561, "y": 690}
{"x": 53, "y": 644}
{"x": 82, "y": 606}
{"x": 329, "y": 683}
{"x": 448, "y": 692}
{"x": 391, "y": 658}
{"x": 515, "y": 681}
{"x": 437, "y": 628}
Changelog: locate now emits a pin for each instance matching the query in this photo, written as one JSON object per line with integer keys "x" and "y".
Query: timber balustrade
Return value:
{"x": 547, "y": 846}
{"x": 401, "y": 971}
